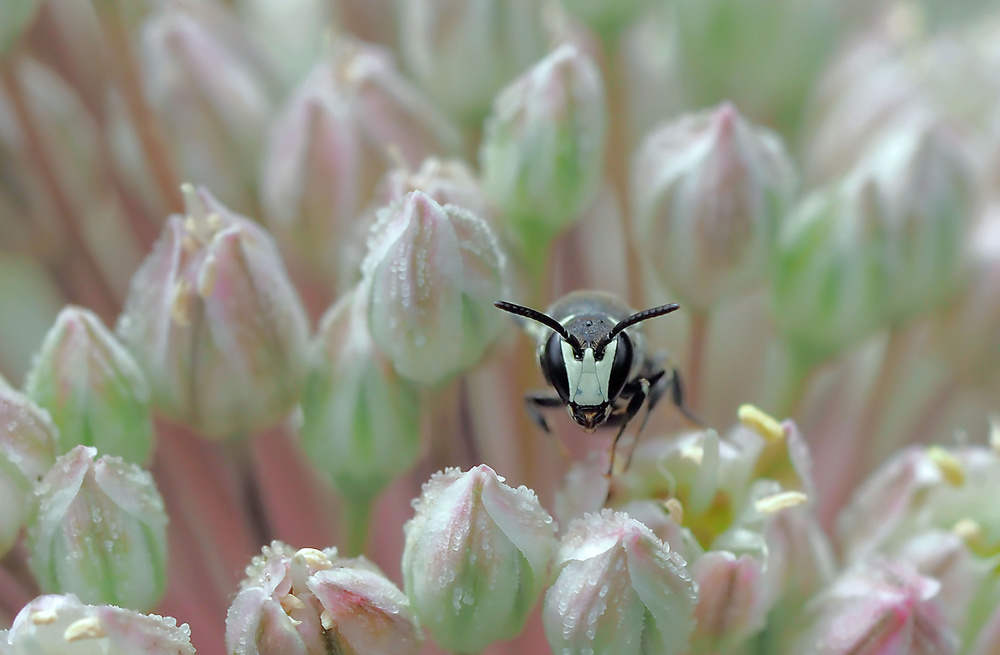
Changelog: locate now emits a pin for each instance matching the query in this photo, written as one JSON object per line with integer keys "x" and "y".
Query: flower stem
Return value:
{"x": 789, "y": 393}
{"x": 357, "y": 514}
{"x": 875, "y": 403}
{"x": 696, "y": 358}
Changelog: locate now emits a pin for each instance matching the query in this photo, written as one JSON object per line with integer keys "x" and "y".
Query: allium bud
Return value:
{"x": 830, "y": 286}
{"x": 93, "y": 388}
{"x": 310, "y": 602}
{"x": 476, "y": 558}
{"x": 27, "y": 450}
{"x": 927, "y": 194}
{"x": 731, "y": 604}
{"x": 62, "y": 625}
{"x": 432, "y": 274}
{"x": 709, "y": 193}
{"x": 361, "y": 421}
{"x": 99, "y": 531}
{"x": 215, "y": 323}
{"x": 884, "y": 608}
{"x": 211, "y": 91}
{"x": 312, "y": 176}
{"x": 446, "y": 181}
{"x": 15, "y": 18}
{"x": 462, "y": 53}
{"x": 619, "y": 590}
{"x": 543, "y": 149}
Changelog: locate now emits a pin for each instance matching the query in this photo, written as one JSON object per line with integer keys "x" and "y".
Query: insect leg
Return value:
{"x": 639, "y": 395}
{"x": 677, "y": 395}
{"x": 534, "y": 403}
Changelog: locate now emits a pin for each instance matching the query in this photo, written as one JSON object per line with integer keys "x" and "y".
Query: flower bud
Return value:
{"x": 361, "y": 421}
{"x": 709, "y": 193}
{"x": 476, "y": 558}
{"x": 431, "y": 277}
{"x": 99, "y": 531}
{"x": 310, "y": 602}
{"x": 927, "y": 194}
{"x": 462, "y": 53}
{"x": 543, "y": 148}
{"x": 446, "y": 181}
{"x": 27, "y": 450}
{"x": 830, "y": 286}
{"x": 215, "y": 323}
{"x": 62, "y": 625}
{"x": 211, "y": 91}
{"x": 731, "y": 604}
{"x": 92, "y": 387}
{"x": 312, "y": 176}
{"x": 884, "y": 608}
{"x": 607, "y": 17}
{"x": 618, "y": 590}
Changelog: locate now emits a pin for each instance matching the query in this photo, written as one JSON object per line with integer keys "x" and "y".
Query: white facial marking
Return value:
{"x": 588, "y": 378}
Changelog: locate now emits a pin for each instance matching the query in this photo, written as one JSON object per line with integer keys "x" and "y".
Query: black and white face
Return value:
{"x": 587, "y": 379}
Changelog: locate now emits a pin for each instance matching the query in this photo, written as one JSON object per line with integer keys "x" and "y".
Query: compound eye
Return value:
{"x": 620, "y": 367}
{"x": 554, "y": 368}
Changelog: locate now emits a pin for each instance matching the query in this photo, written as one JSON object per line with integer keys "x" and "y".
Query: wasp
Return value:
{"x": 592, "y": 355}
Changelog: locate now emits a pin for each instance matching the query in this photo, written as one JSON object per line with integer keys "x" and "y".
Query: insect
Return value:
{"x": 592, "y": 355}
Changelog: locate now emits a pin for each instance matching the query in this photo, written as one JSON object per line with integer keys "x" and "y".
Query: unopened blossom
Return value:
{"x": 709, "y": 194}
{"x": 618, "y": 590}
{"x": 310, "y": 601}
{"x": 543, "y": 148}
{"x": 62, "y": 625}
{"x": 476, "y": 558}
{"x": 431, "y": 277}
{"x": 27, "y": 450}
{"x": 92, "y": 387}
{"x": 99, "y": 531}
{"x": 883, "y": 608}
{"x": 926, "y": 189}
{"x": 446, "y": 181}
{"x": 215, "y": 323}
{"x": 830, "y": 284}
{"x": 731, "y": 604}
{"x": 463, "y": 53}
{"x": 213, "y": 92}
{"x": 361, "y": 420}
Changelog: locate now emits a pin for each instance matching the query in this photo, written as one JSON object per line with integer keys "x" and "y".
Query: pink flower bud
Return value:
{"x": 62, "y": 625}
{"x": 731, "y": 602}
{"x": 432, "y": 275}
{"x": 93, "y": 388}
{"x": 99, "y": 531}
{"x": 618, "y": 590}
{"x": 476, "y": 558}
{"x": 309, "y": 602}
{"x": 710, "y": 192}
{"x": 212, "y": 92}
{"x": 882, "y": 609}
{"x": 215, "y": 323}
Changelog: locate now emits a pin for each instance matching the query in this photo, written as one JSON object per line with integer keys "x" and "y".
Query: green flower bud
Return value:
{"x": 215, "y": 323}
{"x": 462, "y": 53}
{"x": 311, "y": 602}
{"x": 27, "y": 450}
{"x": 62, "y": 625}
{"x": 607, "y": 17}
{"x": 361, "y": 421}
{"x": 99, "y": 531}
{"x": 431, "y": 277}
{"x": 543, "y": 149}
{"x": 93, "y": 388}
{"x": 619, "y": 590}
{"x": 831, "y": 286}
{"x": 476, "y": 558}
{"x": 927, "y": 193}
{"x": 709, "y": 194}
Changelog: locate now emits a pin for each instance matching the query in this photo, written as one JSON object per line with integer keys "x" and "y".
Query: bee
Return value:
{"x": 592, "y": 355}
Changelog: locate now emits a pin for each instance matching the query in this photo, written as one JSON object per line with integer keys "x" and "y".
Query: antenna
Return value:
{"x": 638, "y": 317}
{"x": 539, "y": 317}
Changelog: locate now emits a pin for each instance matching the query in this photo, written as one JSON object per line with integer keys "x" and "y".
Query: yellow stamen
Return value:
{"x": 969, "y": 530}
{"x": 775, "y": 503}
{"x": 291, "y": 602}
{"x": 768, "y": 427}
{"x": 180, "y": 306}
{"x": 693, "y": 452}
{"x": 207, "y": 276}
{"x": 315, "y": 560}
{"x": 44, "y": 617}
{"x": 675, "y": 510}
{"x": 951, "y": 469}
{"x": 88, "y": 628}
{"x": 326, "y": 619}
